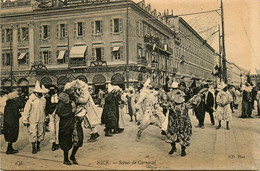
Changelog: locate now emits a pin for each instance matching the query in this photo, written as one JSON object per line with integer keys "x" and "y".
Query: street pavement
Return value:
{"x": 235, "y": 149}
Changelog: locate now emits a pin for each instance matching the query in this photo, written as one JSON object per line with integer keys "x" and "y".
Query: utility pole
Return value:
{"x": 220, "y": 66}
{"x": 68, "y": 38}
{"x": 127, "y": 47}
{"x": 11, "y": 59}
{"x": 223, "y": 46}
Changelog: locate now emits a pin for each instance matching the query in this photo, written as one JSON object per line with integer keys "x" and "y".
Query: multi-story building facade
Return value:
{"x": 190, "y": 47}
{"x": 234, "y": 74}
{"x": 255, "y": 77}
{"x": 91, "y": 39}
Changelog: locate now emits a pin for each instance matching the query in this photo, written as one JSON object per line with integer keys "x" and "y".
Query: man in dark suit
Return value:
{"x": 209, "y": 103}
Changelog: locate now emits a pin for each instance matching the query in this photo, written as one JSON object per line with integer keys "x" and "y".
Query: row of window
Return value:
{"x": 23, "y": 58}
{"x": 7, "y": 34}
{"x": 79, "y": 28}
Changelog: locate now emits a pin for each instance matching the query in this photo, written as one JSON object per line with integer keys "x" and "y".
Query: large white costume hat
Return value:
{"x": 223, "y": 85}
{"x": 37, "y": 88}
{"x": 175, "y": 85}
{"x": 147, "y": 83}
{"x": 44, "y": 90}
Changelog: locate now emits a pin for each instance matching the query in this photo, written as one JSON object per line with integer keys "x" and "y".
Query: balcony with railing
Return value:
{"x": 141, "y": 61}
{"x": 77, "y": 62}
{"x": 155, "y": 42}
{"x": 15, "y": 4}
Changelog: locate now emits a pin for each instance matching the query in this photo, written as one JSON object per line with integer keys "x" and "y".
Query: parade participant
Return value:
{"x": 110, "y": 111}
{"x": 54, "y": 118}
{"x": 231, "y": 90}
{"x": 122, "y": 99}
{"x": 47, "y": 98}
{"x": 179, "y": 126}
{"x": 210, "y": 102}
{"x": 200, "y": 107}
{"x": 70, "y": 131}
{"x": 86, "y": 107}
{"x": 153, "y": 114}
{"x": 258, "y": 102}
{"x": 34, "y": 117}
{"x": 223, "y": 112}
{"x": 131, "y": 104}
{"x": 246, "y": 101}
{"x": 11, "y": 121}
{"x": 3, "y": 100}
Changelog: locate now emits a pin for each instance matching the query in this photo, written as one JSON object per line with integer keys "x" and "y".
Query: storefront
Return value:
{"x": 99, "y": 82}
{"x": 119, "y": 80}
{"x": 23, "y": 84}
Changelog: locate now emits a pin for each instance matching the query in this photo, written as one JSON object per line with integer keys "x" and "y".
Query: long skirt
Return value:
{"x": 179, "y": 128}
{"x": 66, "y": 128}
{"x": 78, "y": 136}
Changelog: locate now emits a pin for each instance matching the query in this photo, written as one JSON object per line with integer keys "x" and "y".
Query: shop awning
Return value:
{"x": 115, "y": 49}
{"x": 22, "y": 55}
{"x": 61, "y": 54}
{"x": 78, "y": 51}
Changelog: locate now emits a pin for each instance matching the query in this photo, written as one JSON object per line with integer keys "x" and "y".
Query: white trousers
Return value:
{"x": 54, "y": 128}
{"x": 36, "y": 132}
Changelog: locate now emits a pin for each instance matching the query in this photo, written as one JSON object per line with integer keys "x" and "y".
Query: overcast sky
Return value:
{"x": 242, "y": 25}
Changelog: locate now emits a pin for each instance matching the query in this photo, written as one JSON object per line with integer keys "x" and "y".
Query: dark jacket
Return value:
{"x": 210, "y": 102}
{"x": 11, "y": 121}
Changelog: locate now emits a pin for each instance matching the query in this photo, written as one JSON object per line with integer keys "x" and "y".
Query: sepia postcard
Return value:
{"x": 130, "y": 84}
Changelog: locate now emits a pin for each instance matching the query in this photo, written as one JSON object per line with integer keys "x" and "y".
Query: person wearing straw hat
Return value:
{"x": 11, "y": 121}
{"x": 223, "y": 100}
{"x": 34, "y": 117}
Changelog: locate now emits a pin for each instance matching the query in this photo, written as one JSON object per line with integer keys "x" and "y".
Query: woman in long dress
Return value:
{"x": 11, "y": 121}
{"x": 179, "y": 124}
{"x": 70, "y": 129}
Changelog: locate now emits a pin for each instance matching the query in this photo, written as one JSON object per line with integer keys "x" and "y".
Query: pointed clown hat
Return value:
{"x": 37, "y": 88}
{"x": 45, "y": 90}
{"x": 223, "y": 85}
{"x": 147, "y": 83}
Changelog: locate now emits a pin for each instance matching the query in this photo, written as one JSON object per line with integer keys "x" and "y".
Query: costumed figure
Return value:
{"x": 122, "y": 100}
{"x": 153, "y": 113}
{"x": 246, "y": 101}
{"x": 3, "y": 100}
{"x": 258, "y": 102}
{"x": 51, "y": 104}
{"x": 110, "y": 111}
{"x": 70, "y": 129}
{"x": 34, "y": 117}
{"x": 86, "y": 107}
{"x": 179, "y": 125}
{"x": 210, "y": 103}
{"x": 223, "y": 112}
{"x": 199, "y": 107}
{"x": 131, "y": 104}
{"x": 11, "y": 121}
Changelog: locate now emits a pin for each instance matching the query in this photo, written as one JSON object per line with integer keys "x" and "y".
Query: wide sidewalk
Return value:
{"x": 235, "y": 149}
